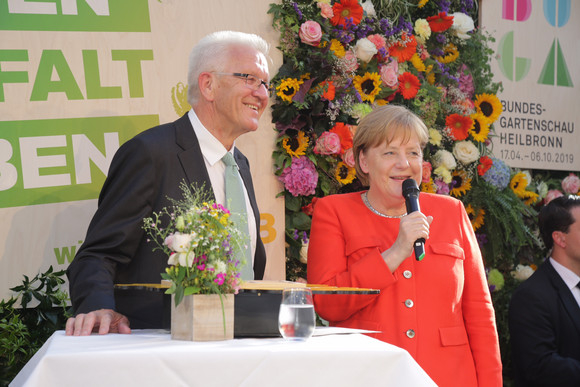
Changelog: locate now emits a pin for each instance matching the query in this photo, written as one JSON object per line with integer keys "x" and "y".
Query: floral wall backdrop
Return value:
{"x": 342, "y": 58}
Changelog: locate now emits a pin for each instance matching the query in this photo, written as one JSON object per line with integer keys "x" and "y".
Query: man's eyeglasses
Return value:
{"x": 251, "y": 81}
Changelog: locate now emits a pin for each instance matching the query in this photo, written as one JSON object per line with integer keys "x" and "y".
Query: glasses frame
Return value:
{"x": 255, "y": 85}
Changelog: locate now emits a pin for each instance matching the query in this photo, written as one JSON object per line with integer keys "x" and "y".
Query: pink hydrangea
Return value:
{"x": 571, "y": 184}
{"x": 327, "y": 144}
{"x": 552, "y": 194}
{"x": 300, "y": 178}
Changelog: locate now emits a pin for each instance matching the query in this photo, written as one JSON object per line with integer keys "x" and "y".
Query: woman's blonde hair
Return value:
{"x": 383, "y": 125}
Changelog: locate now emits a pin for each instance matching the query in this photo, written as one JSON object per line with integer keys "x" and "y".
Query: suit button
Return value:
{"x": 407, "y": 274}
{"x": 410, "y": 333}
{"x": 409, "y": 303}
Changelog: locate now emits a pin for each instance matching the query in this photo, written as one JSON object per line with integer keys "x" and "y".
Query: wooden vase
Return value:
{"x": 200, "y": 317}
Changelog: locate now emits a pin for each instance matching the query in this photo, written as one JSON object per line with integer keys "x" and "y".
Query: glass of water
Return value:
{"x": 296, "y": 319}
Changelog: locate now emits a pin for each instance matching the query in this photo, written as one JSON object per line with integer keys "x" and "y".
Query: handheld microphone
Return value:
{"x": 411, "y": 195}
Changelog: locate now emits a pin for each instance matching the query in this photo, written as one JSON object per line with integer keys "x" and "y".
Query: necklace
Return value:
{"x": 370, "y": 207}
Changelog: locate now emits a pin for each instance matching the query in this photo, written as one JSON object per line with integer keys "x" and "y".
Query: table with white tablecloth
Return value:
{"x": 151, "y": 358}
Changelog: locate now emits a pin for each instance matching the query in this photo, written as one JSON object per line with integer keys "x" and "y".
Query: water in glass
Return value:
{"x": 296, "y": 319}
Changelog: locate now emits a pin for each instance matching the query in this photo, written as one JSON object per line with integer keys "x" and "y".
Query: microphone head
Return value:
{"x": 410, "y": 188}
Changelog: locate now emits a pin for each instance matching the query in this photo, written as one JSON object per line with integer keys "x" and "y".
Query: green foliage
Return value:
{"x": 24, "y": 329}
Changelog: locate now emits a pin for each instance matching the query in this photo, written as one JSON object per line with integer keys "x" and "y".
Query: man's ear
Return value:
{"x": 207, "y": 85}
{"x": 559, "y": 238}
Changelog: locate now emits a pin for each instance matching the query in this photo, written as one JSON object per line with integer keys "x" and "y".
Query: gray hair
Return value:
{"x": 210, "y": 54}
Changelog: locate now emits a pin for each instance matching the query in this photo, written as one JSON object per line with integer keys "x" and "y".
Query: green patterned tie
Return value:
{"x": 236, "y": 203}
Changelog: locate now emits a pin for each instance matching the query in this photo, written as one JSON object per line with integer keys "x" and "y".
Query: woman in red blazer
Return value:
{"x": 439, "y": 309}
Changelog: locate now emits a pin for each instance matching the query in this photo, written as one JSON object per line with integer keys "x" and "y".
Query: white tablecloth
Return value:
{"x": 151, "y": 358}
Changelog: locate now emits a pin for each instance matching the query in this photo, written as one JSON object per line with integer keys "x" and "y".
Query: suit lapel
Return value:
{"x": 565, "y": 295}
{"x": 190, "y": 156}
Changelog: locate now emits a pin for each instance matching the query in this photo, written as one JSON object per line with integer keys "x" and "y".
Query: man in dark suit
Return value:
{"x": 544, "y": 315}
{"x": 228, "y": 91}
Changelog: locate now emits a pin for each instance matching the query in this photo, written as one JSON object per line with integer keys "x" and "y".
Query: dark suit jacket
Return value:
{"x": 144, "y": 173}
{"x": 544, "y": 320}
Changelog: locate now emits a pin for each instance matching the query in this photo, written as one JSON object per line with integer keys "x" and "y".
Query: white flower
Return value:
{"x": 542, "y": 189}
{"x": 369, "y": 8}
{"x": 522, "y": 272}
{"x": 365, "y": 50}
{"x": 183, "y": 259}
{"x": 304, "y": 253}
{"x": 444, "y": 159}
{"x": 179, "y": 242}
{"x": 466, "y": 152}
{"x": 462, "y": 24}
{"x": 528, "y": 176}
{"x": 219, "y": 267}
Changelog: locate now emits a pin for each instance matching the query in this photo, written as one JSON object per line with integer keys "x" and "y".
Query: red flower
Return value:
{"x": 330, "y": 90}
{"x": 440, "y": 23}
{"x": 346, "y": 9}
{"x": 484, "y": 164}
{"x": 309, "y": 208}
{"x": 458, "y": 126}
{"x": 409, "y": 85}
{"x": 404, "y": 49}
{"x": 343, "y": 131}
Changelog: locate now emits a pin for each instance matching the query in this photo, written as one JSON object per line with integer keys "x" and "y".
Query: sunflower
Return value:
{"x": 288, "y": 89}
{"x": 403, "y": 49}
{"x": 461, "y": 183}
{"x": 431, "y": 77}
{"x": 368, "y": 85}
{"x": 429, "y": 187}
{"x": 409, "y": 85}
{"x": 296, "y": 146}
{"x": 518, "y": 184}
{"x": 346, "y": 9}
{"x": 451, "y": 53}
{"x": 418, "y": 63}
{"x": 337, "y": 48}
{"x": 489, "y": 105}
{"x": 440, "y": 22}
{"x": 480, "y": 129}
{"x": 477, "y": 220}
{"x": 422, "y": 3}
{"x": 344, "y": 174}
{"x": 531, "y": 198}
{"x": 458, "y": 126}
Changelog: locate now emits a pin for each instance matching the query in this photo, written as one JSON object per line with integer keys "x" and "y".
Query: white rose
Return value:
{"x": 369, "y": 8}
{"x": 462, "y": 24}
{"x": 522, "y": 272}
{"x": 365, "y": 50}
{"x": 444, "y": 159}
{"x": 179, "y": 242}
{"x": 466, "y": 152}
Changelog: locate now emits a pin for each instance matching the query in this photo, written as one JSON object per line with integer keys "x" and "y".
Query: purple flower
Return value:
{"x": 442, "y": 187}
{"x": 300, "y": 178}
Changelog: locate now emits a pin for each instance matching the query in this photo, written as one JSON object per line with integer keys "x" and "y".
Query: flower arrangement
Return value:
{"x": 200, "y": 240}
{"x": 342, "y": 58}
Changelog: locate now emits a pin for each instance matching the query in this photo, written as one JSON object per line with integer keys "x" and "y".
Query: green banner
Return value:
{"x": 75, "y": 15}
{"x": 61, "y": 160}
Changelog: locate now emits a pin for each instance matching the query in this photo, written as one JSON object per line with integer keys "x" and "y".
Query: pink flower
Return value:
{"x": 552, "y": 194}
{"x": 390, "y": 74}
{"x": 310, "y": 33}
{"x": 426, "y": 172}
{"x": 571, "y": 184}
{"x": 325, "y": 10}
{"x": 348, "y": 157}
{"x": 300, "y": 178}
{"x": 350, "y": 61}
{"x": 378, "y": 41}
{"x": 327, "y": 144}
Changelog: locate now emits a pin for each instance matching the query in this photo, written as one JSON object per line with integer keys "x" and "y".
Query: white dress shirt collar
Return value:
{"x": 211, "y": 148}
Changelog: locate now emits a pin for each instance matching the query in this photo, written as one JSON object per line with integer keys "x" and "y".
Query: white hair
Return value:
{"x": 210, "y": 54}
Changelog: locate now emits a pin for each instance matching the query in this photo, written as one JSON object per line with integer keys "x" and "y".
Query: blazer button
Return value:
{"x": 410, "y": 333}
{"x": 409, "y": 303}
{"x": 407, "y": 274}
